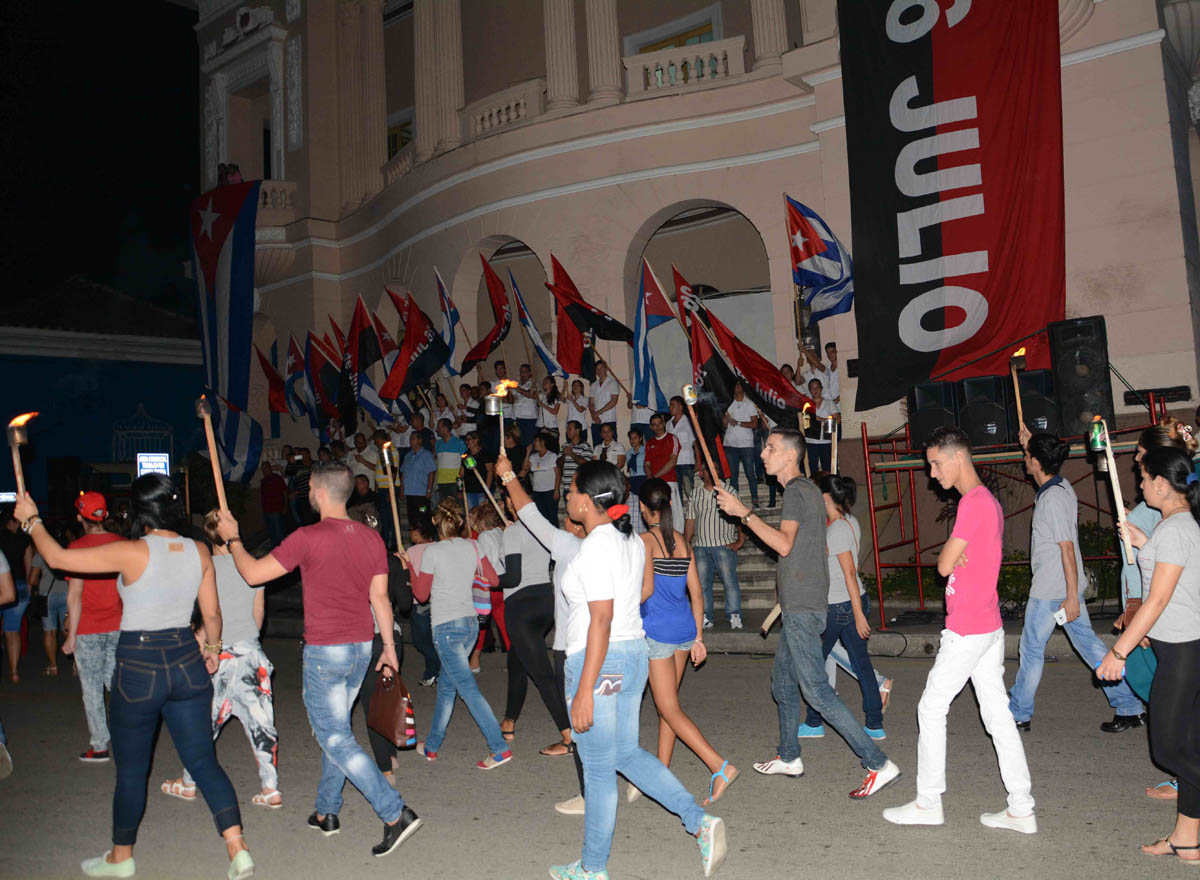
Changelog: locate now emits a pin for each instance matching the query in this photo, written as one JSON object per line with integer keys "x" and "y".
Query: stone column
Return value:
{"x": 349, "y": 52}
{"x": 374, "y": 120}
{"x": 450, "y": 73}
{"x": 605, "y": 73}
{"x": 770, "y": 32}
{"x": 362, "y": 112}
{"x": 425, "y": 61}
{"x": 562, "y": 72}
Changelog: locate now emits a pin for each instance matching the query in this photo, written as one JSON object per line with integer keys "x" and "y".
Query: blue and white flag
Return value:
{"x": 239, "y": 439}
{"x": 548, "y": 360}
{"x": 653, "y": 309}
{"x": 449, "y": 320}
{"x": 369, "y": 400}
{"x": 820, "y": 264}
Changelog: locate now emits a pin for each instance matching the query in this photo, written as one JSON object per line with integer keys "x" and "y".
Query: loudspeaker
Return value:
{"x": 931, "y": 405}
{"x": 983, "y": 409}
{"x": 1079, "y": 354}
{"x": 1039, "y": 404}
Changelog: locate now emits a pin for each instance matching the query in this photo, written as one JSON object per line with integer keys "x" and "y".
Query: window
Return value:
{"x": 398, "y": 137}
{"x": 691, "y": 37}
{"x": 702, "y": 26}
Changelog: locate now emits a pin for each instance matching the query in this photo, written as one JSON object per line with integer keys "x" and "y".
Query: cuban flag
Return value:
{"x": 295, "y": 386}
{"x": 449, "y": 320}
{"x": 819, "y": 262}
{"x": 552, "y": 366}
{"x": 239, "y": 440}
{"x": 369, "y": 400}
{"x": 222, "y": 244}
{"x": 653, "y": 310}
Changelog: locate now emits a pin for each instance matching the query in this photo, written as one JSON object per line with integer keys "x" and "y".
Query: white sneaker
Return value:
{"x": 6, "y": 762}
{"x": 632, "y": 793}
{"x": 777, "y": 767}
{"x": 912, "y": 814}
{"x": 708, "y": 624}
{"x": 735, "y": 621}
{"x": 876, "y": 780}
{"x": 571, "y": 806}
{"x": 1024, "y": 824}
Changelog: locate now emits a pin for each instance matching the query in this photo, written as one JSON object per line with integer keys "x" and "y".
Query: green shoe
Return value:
{"x": 101, "y": 867}
{"x": 242, "y": 866}
{"x": 575, "y": 871}
{"x": 712, "y": 843}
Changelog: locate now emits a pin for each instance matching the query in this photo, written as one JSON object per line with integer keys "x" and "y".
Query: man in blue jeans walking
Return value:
{"x": 344, "y": 572}
{"x": 802, "y": 581}
{"x": 1058, "y": 582}
{"x": 716, "y": 540}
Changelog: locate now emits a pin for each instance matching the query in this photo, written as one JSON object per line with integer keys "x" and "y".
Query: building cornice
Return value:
{"x": 38, "y": 342}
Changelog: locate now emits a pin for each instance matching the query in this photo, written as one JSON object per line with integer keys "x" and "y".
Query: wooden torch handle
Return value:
{"x": 215, "y": 461}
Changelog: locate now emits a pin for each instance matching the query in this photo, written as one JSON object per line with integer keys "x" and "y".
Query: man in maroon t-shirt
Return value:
{"x": 273, "y": 492}
{"x": 344, "y": 574}
{"x": 662, "y": 452}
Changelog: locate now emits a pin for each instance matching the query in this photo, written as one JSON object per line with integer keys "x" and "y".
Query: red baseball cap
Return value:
{"x": 92, "y": 506}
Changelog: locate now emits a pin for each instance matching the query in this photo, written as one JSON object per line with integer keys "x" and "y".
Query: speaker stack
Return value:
{"x": 931, "y": 405}
{"x": 1079, "y": 354}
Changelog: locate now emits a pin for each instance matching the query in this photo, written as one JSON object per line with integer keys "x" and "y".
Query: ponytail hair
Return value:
{"x": 155, "y": 504}
{"x": 606, "y": 486}
{"x": 843, "y": 491}
{"x": 1169, "y": 432}
{"x": 656, "y": 495}
{"x": 1175, "y": 466}
{"x": 448, "y": 519}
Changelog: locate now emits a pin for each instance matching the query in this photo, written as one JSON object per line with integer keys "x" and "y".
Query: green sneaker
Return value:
{"x": 575, "y": 871}
{"x": 712, "y": 843}
{"x": 101, "y": 867}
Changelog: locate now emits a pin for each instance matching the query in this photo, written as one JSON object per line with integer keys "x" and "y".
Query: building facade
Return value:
{"x": 396, "y": 137}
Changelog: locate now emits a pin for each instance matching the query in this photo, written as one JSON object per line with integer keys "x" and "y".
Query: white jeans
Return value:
{"x": 979, "y": 658}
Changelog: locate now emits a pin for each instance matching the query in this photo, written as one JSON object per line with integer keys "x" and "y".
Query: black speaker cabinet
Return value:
{"x": 983, "y": 409}
{"x": 1039, "y": 404}
{"x": 931, "y": 405}
{"x": 1079, "y": 354}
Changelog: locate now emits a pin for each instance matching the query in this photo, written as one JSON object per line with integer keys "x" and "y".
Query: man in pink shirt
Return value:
{"x": 972, "y": 646}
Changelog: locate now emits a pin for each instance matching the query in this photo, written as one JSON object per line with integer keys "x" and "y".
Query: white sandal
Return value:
{"x": 263, "y": 799}
{"x": 176, "y": 788}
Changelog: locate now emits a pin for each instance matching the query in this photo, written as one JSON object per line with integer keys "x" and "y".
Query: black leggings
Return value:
{"x": 380, "y": 747}
{"x": 1174, "y": 722}
{"x": 529, "y": 614}
{"x": 560, "y": 682}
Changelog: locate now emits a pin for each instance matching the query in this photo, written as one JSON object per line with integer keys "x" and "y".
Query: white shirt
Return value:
{"x": 614, "y": 452}
{"x": 578, "y": 413}
{"x": 829, "y": 382}
{"x": 641, "y": 415}
{"x": 740, "y": 411}
{"x": 608, "y": 566}
{"x": 826, "y": 409}
{"x": 446, "y": 414}
{"x": 546, "y": 418}
{"x": 360, "y": 469}
{"x": 541, "y": 471}
{"x": 833, "y": 389}
{"x": 602, "y": 394}
{"x": 687, "y": 439}
{"x": 525, "y": 407}
{"x": 563, "y": 548}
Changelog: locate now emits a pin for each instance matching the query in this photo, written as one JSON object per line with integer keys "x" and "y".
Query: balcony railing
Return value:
{"x": 400, "y": 164}
{"x": 503, "y": 109}
{"x": 685, "y": 67}
{"x": 276, "y": 203}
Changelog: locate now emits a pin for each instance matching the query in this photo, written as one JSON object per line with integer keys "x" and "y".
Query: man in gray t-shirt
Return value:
{"x": 1059, "y": 582}
{"x": 802, "y": 580}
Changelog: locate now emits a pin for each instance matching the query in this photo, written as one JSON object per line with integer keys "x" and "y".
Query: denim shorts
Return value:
{"x": 10, "y": 615}
{"x": 56, "y": 612}
{"x": 663, "y": 650}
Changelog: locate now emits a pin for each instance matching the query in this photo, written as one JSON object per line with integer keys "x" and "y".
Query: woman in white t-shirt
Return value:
{"x": 741, "y": 418}
{"x": 443, "y": 412}
{"x": 577, "y": 405}
{"x": 540, "y": 467}
{"x": 606, "y": 669}
{"x": 820, "y": 443}
{"x": 549, "y": 402}
{"x": 1169, "y": 616}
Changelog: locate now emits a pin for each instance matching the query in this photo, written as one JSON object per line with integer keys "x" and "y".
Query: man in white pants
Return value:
{"x": 972, "y": 647}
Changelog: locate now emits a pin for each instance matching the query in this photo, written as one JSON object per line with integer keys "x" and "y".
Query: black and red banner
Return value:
{"x": 501, "y": 311}
{"x": 954, "y": 136}
{"x": 422, "y": 353}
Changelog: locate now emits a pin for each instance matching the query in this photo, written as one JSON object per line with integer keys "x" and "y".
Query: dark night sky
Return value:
{"x": 99, "y": 135}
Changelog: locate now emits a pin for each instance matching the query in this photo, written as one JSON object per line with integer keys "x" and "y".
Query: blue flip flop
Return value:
{"x": 728, "y": 782}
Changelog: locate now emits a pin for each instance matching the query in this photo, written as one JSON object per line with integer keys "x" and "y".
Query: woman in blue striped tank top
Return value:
{"x": 161, "y": 671}
{"x": 672, "y": 611}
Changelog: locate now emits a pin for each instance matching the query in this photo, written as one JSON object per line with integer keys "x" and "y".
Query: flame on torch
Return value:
{"x": 22, "y": 420}
{"x": 1020, "y": 352}
{"x": 502, "y": 387}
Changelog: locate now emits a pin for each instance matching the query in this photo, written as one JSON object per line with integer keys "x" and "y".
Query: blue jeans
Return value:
{"x": 474, "y": 499}
{"x": 528, "y": 429}
{"x": 160, "y": 674}
{"x": 710, "y": 561}
{"x": 800, "y": 670}
{"x": 686, "y": 474}
{"x": 820, "y": 457}
{"x": 454, "y": 642}
{"x": 56, "y": 612}
{"x": 422, "y": 638}
{"x": 332, "y": 677}
{"x": 547, "y": 506}
{"x": 839, "y": 625}
{"x": 274, "y": 523}
{"x": 743, "y": 455}
{"x": 1039, "y": 624}
{"x": 10, "y": 615}
{"x": 610, "y": 747}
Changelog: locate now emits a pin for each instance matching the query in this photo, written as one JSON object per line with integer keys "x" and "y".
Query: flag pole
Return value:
{"x": 611, "y": 371}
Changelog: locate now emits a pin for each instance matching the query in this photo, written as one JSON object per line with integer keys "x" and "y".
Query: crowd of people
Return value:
{"x": 613, "y": 548}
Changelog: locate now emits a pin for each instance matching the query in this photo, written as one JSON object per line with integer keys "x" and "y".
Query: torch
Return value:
{"x": 386, "y": 452}
{"x": 805, "y": 422}
{"x": 469, "y": 461}
{"x": 493, "y": 404}
{"x": 1115, "y": 480}
{"x": 691, "y": 397}
{"x": 1015, "y": 363}
{"x": 204, "y": 413}
{"x": 18, "y": 436}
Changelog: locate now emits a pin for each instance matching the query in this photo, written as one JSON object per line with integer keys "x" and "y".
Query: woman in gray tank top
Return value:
{"x": 242, "y": 684}
{"x": 161, "y": 671}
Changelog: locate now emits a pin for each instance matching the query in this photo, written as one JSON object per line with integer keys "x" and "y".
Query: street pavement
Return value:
{"x": 1089, "y": 786}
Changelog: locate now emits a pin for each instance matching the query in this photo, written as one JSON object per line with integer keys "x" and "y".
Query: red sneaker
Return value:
{"x": 876, "y": 780}
{"x": 91, "y": 756}
{"x": 491, "y": 762}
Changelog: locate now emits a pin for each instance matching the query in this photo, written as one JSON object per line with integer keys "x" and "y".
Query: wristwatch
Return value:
{"x": 746, "y": 518}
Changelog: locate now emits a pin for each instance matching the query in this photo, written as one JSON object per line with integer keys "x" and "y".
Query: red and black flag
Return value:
{"x": 710, "y": 374}
{"x": 774, "y": 395}
{"x": 276, "y": 396}
{"x": 501, "y": 310}
{"x": 583, "y": 314}
{"x": 323, "y": 368}
{"x": 422, "y": 353}
{"x": 365, "y": 347}
{"x": 387, "y": 345}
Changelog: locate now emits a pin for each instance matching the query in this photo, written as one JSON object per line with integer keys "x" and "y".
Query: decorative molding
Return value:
{"x": 723, "y": 162}
{"x": 292, "y": 11}
{"x": 211, "y": 10}
{"x": 295, "y": 95}
{"x": 826, "y": 124}
{"x": 37, "y": 342}
{"x": 1149, "y": 38}
{"x": 823, "y": 76}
